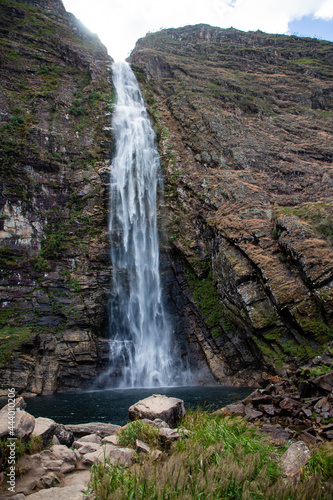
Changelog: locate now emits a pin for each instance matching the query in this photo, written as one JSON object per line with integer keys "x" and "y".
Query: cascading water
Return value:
{"x": 141, "y": 354}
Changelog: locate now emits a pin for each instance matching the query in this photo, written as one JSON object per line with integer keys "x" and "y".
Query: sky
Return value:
{"x": 120, "y": 23}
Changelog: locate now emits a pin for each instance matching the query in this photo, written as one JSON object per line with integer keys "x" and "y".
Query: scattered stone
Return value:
{"x": 308, "y": 438}
{"x": 289, "y": 404}
{"x": 232, "y": 409}
{"x": 171, "y": 410}
{"x": 269, "y": 410}
{"x": 122, "y": 456}
{"x": 168, "y": 435}
{"x": 325, "y": 382}
{"x": 66, "y": 468}
{"x": 48, "y": 480}
{"x": 111, "y": 440}
{"x": 156, "y": 423}
{"x": 52, "y": 465}
{"x": 85, "y": 448}
{"x": 296, "y": 457}
{"x": 90, "y": 438}
{"x": 276, "y": 434}
{"x": 251, "y": 414}
{"x": 156, "y": 454}
{"x": 141, "y": 447}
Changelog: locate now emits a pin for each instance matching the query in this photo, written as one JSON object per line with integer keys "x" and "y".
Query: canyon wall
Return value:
{"x": 55, "y": 105}
{"x": 244, "y": 126}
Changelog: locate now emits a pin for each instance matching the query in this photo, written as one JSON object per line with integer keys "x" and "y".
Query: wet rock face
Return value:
{"x": 243, "y": 124}
{"x": 55, "y": 105}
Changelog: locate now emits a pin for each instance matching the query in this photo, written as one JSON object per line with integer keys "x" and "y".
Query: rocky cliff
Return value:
{"x": 244, "y": 124}
{"x": 55, "y": 103}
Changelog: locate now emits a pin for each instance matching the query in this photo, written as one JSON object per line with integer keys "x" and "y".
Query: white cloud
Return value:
{"x": 325, "y": 11}
{"x": 119, "y": 23}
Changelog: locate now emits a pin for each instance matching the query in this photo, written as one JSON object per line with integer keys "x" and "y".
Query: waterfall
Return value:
{"x": 141, "y": 350}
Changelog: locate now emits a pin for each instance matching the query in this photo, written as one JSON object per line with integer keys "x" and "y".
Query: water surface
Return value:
{"x": 111, "y": 406}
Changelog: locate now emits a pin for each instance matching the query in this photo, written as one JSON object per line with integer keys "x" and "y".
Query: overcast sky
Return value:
{"x": 119, "y": 23}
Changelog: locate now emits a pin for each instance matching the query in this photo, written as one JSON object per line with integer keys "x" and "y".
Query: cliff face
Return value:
{"x": 55, "y": 104}
{"x": 244, "y": 124}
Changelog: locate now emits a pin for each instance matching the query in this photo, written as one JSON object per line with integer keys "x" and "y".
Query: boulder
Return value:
{"x": 62, "y": 452}
{"x": 232, "y": 409}
{"x": 74, "y": 492}
{"x": 52, "y": 464}
{"x": 167, "y": 436}
{"x": 276, "y": 434}
{"x": 66, "y": 468}
{"x": 24, "y": 424}
{"x": 251, "y": 414}
{"x": 325, "y": 382}
{"x": 85, "y": 448}
{"x": 111, "y": 440}
{"x": 121, "y": 456}
{"x": 156, "y": 454}
{"x": 141, "y": 447}
{"x": 292, "y": 461}
{"x": 89, "y": 438}
{"x": 156, "y": 423}
{"x": 44, "y": 428}
{"x": 157, "y": 406}
{"x": 100, "y": 428}
{"x": 64, "y": 435}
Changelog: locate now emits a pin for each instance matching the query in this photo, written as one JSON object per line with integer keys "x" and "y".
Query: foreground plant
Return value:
{"x": 222, "y": 459}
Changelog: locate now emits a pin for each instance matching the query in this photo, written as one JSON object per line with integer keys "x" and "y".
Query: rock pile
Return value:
{"x": 299, "y": 401}
{"x": 73, "y": 449}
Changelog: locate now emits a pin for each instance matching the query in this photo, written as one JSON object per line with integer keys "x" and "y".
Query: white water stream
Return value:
{"x": 141, "y": 350}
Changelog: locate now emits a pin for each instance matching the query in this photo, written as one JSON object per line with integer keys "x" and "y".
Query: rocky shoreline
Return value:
{"x": 293, "y": 411}
{"x": 300, "y": 401}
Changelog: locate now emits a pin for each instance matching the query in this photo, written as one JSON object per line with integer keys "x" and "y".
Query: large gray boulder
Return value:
{"x": 171, "y": 410}
{"x": 292, "y": 461}
{"x": 19, "y": 405}
{"x": 44, "y": 428}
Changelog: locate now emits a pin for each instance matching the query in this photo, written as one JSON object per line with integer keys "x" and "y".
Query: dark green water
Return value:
{"x": 112, "y": 405}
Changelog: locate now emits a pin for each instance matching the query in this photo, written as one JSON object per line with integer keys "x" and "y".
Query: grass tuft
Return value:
{"x": 222, "y": 458}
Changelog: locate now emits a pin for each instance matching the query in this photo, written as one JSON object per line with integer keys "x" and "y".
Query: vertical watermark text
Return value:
{"x": 11, "y": 473}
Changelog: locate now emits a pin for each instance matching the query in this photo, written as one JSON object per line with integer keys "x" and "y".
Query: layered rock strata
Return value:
{"x": 244, "y": 125}
{"x": 55, "y": 103}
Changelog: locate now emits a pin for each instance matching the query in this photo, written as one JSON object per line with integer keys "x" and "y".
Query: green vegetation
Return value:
{"x": 209, "y": 302}
{"x": 221, "y": 458}
{"x": 138, "y": 430}
{"x": 318, "y": 215}
{"x": 11, "y": 337}
{"x": 316, "y": 371}
{"x": 30, "y": 447}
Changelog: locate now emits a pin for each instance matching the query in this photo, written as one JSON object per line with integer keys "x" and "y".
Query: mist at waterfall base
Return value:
{"x": 142, "y": 351}
{"x": 111, "y": 406}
